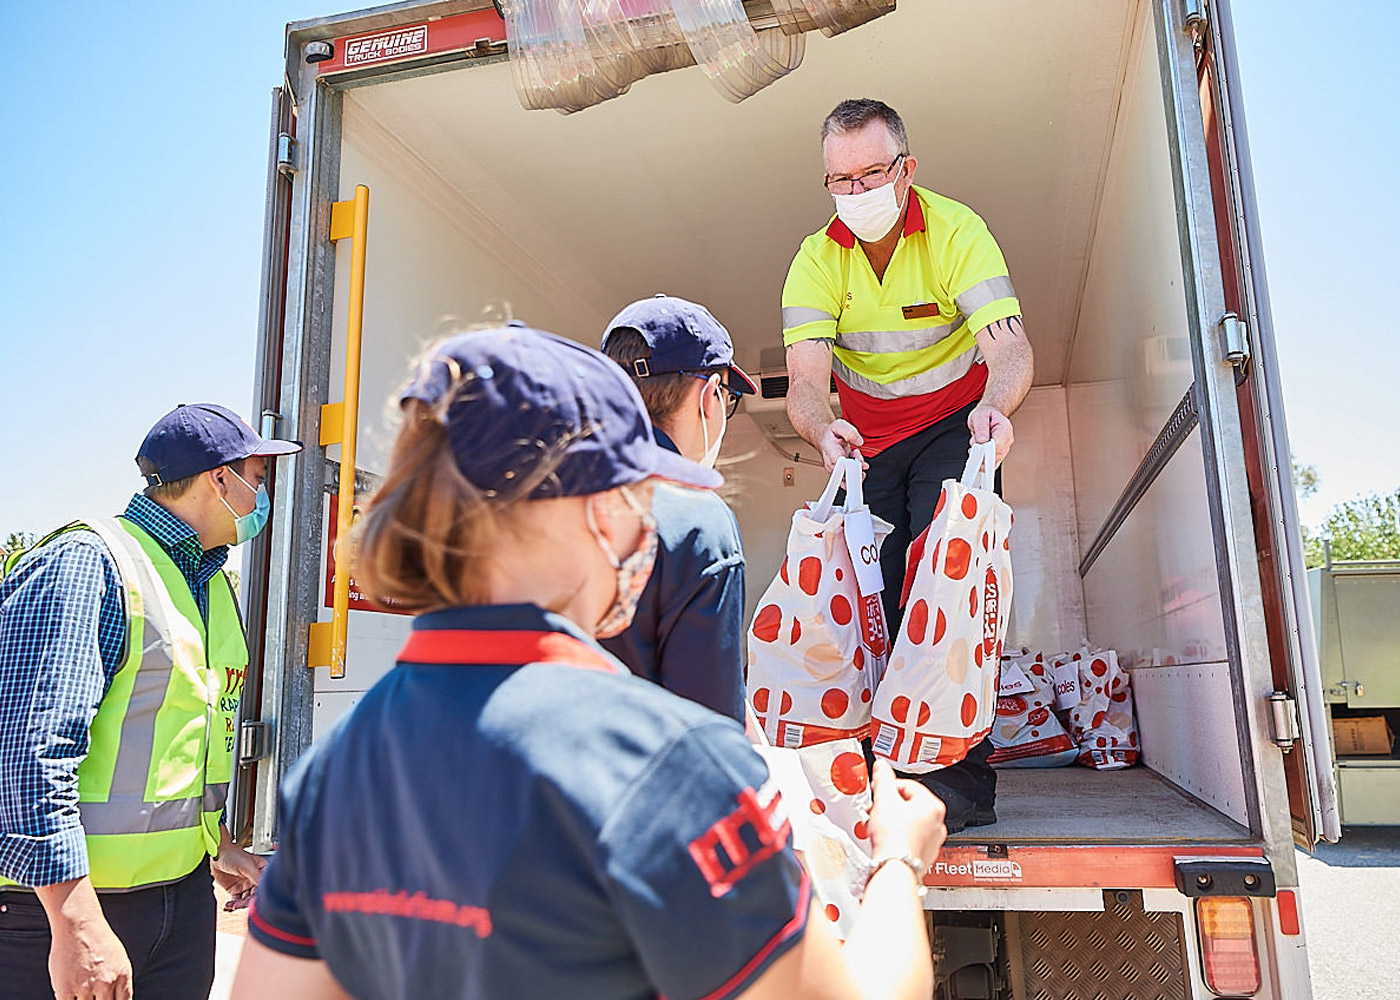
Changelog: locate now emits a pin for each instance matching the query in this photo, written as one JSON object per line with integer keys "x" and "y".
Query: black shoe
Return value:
{"x": 962, "y": 812}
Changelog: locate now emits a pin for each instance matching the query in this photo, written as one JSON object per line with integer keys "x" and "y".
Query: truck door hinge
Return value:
{"x": 1283, "y": 720}
{"x": 286, "y": 154}
{"x": 1235, "y": 336}
{"x": 253, "y": 742}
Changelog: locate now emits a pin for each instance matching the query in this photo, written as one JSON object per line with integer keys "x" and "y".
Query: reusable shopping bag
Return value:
{"x": 1027, "y": 733}
{"x": 1102, "y": 722}
{"x": 825, "y": 790}
{"x": 817, "y": 643}
{"x": 938, "y": 696}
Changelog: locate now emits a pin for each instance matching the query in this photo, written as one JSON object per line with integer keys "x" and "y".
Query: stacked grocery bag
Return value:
{"x": 823, "y": 674}
{"x": 1065, "y": 708}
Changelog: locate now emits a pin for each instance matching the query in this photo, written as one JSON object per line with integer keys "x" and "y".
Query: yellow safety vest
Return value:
{"x": 152, "y": 788}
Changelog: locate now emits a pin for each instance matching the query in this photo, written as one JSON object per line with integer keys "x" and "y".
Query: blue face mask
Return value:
{"x": 248, "y": 525}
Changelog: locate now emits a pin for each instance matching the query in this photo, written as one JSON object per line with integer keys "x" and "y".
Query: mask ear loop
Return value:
{"x": 613, "y": 560}
{"x": 704, "y": 423}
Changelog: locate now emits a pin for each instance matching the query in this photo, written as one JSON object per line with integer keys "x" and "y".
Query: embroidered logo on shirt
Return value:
{"x": 734, "y": 846}
{"x": 418, "y": 906}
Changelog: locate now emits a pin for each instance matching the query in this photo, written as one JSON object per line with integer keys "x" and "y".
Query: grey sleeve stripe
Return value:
{"x": 985, "y": 293}
{"x": 895, "y": 341}
{"x": 795, "y": 316}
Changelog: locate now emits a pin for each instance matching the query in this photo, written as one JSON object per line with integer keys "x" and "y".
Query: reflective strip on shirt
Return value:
{"x": 916, "y": 385}
{"x": 795, "y": 316}
{"x": 896, "y": 341}
{"x": 984, "y": 293}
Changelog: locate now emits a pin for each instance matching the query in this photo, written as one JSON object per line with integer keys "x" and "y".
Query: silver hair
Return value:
{"x": 854, "y": 114}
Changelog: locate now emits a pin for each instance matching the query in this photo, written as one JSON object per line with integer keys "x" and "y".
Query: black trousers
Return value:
{"x": 902, "y": 486}
{"x": 168, "y": 932}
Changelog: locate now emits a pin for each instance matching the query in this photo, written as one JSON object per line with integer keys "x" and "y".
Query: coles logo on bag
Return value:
{"x": 991, "y": 608}
{"x": 1011, "y": 705}
{"x": 872, "y": 624}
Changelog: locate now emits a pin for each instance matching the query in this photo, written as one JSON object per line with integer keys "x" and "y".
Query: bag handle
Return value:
{"x": 846, "y": 471}
{"x": 752, "y": 725}
{"x": 981, "y": 469}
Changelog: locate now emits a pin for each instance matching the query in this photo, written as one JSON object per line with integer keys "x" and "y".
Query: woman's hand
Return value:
{"x": 905, "y": 817}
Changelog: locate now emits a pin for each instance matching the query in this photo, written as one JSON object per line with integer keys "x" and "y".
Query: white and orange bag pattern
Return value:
{"x": 1027, "y": 733}
{"x": 939, "y": 693}
{"x": 826, "y": 788}
{"x": 1102, "y": 722}
{"x": 817, "y": 645}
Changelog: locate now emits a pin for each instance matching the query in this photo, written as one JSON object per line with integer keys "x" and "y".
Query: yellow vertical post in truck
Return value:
{"x": 1102, "y": 141}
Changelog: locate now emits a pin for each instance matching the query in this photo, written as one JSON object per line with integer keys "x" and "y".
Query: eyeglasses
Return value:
{"x": 869, "y": 180}
{"x": 731, "y": 398}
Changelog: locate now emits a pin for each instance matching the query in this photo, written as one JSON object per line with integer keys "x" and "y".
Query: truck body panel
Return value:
{"x": 1087, "y": 152}
{"x": 1353, "y": 616}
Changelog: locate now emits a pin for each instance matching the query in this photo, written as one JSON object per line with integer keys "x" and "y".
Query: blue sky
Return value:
{"x": 133, "y": 156}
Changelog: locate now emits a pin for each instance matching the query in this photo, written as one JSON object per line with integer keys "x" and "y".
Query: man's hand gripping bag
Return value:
{"x": 938, "y": 697}
{"x": 817, "y": 644}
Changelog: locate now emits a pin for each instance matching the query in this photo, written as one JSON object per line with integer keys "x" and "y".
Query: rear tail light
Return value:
{"x": 1229, "y": 957}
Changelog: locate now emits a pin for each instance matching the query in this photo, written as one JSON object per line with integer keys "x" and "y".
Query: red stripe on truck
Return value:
{"x": 414, "y": 41}
{"x": 1066, "y": 867}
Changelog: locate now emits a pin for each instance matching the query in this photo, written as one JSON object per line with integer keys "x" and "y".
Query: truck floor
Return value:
{"x": 1076, "y": 805}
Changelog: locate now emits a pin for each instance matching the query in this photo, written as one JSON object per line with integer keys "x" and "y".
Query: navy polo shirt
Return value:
{"x": 509, "y": 813}
{"x": 688, "y": 632}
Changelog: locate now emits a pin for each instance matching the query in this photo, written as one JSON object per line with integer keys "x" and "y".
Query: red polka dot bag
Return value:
{"x": 1027, "y": 733}
{"x": 1102, "y": 722}
{"x": 817, "y": 643}
{"x": 938, "y": 697}
{"x": 825, "y": 792}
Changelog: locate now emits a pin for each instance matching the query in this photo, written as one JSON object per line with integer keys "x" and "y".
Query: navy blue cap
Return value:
{"x": 515, "y": 395}
{"x": 683, "y": 337}
{"x": 202, "y": 436}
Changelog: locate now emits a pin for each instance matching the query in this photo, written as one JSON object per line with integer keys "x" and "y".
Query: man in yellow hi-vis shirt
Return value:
{"x": 906, "y": 299}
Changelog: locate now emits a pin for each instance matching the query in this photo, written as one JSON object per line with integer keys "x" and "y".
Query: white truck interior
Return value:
{"x": 1048, "y": 119}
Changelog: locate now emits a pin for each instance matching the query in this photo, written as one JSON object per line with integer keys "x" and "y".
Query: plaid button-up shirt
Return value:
{"x": 62, "y": 640}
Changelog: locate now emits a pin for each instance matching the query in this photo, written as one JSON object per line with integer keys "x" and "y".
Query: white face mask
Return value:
{"x": 871, "y": 214}
{"x": 711, "y": 455}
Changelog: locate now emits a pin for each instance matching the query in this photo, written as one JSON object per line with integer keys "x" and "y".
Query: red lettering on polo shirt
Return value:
{"x": 415, "y": 906}
{"x": 734, "y": 846}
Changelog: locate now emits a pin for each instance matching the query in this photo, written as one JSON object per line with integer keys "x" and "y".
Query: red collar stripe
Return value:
{"x": 913, "y": 223}
{"x": 472, "y": 647}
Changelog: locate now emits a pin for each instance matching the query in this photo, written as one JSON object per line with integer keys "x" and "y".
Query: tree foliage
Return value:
{"x": 1365, "y": 527}
{"x": 1304, "y": 478}
{"x": 15, "y": 541}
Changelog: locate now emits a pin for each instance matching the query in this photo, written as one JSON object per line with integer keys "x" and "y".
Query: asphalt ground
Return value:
{"x": 1350, "y": 896}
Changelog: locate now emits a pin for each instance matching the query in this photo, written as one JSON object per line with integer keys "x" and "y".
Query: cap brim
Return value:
{"x": 675, "y": 469}
{"x": 739, "y": 380}
{"x": 277, "y": 448}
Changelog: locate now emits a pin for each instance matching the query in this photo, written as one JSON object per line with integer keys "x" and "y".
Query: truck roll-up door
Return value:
{"x": 1312, "y": 796}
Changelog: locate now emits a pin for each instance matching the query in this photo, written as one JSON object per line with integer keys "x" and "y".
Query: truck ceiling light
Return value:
{"x": 1229, "y": 955}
